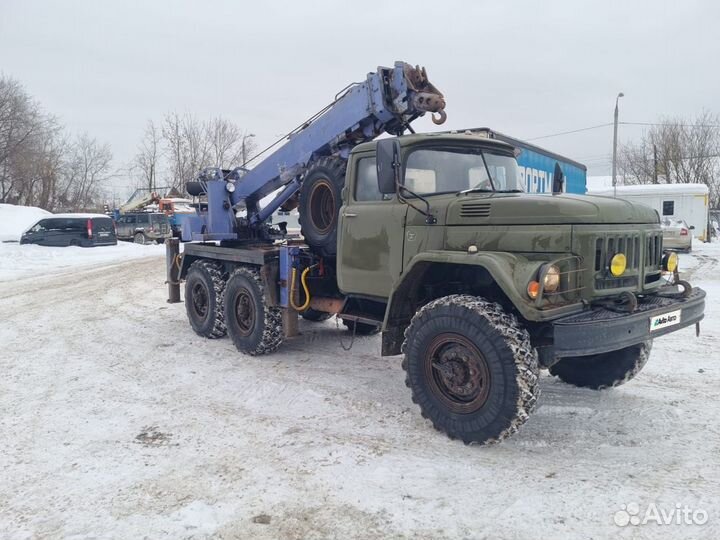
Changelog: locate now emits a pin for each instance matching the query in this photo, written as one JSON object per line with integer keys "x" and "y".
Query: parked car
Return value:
{"x": 177, "y": 210}
{"x": 84, "y": 230}
{"x": 144, "y": 227}
{"x": 676, "y": 234}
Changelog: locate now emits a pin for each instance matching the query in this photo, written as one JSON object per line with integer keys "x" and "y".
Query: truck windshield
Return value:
{"x": 450, "y": 170}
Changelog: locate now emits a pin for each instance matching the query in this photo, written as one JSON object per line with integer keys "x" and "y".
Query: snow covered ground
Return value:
{"x": 118, "y": 422}
{"x": 18, "y": 262}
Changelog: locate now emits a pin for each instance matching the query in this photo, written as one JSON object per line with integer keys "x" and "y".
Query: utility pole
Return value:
{"x": 655, "y": 176}
{"x": 614, "y": 156}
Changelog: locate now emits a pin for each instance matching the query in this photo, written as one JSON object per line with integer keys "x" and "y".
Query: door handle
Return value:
{"x": 349, "y": 215}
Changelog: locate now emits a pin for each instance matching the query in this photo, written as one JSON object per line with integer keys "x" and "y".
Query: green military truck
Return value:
{"x": 431, "y": 240}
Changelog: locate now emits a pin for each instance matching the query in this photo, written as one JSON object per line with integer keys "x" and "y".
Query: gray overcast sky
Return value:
{"x": 524, "y": 68}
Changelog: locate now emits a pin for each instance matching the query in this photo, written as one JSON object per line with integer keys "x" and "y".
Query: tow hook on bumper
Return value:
{"x": 600, "y": 329}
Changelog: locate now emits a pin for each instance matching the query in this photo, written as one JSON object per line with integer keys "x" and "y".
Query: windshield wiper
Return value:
{"x": 476, "y": 190}
{"x": 485, "y": 190}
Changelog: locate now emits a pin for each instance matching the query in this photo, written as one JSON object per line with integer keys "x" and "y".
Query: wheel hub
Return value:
{"x": 322, "y": 206}
{"x": 458, "y": 373}
{"x": 200, "y": 300}
{"x": 245, "y": 312}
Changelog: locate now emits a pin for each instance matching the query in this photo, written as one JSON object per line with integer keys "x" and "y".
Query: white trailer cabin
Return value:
{"x": 680, "y": 201}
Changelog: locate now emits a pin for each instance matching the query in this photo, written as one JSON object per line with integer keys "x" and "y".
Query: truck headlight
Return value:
{"x": 670, "y": 261}
{"x": 618, "y": 264}
{"x": 230, "y": 187}
{"x": 551, "y": 281}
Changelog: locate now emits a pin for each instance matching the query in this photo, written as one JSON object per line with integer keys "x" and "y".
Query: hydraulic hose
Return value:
{"x": 303, "y": 281}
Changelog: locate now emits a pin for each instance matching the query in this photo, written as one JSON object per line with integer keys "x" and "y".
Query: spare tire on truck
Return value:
{"x": 320, "y": 201}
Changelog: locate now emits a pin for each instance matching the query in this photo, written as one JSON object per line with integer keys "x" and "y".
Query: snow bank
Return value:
{"x": 21, "y": 261}
{"x": 14, "y": 220}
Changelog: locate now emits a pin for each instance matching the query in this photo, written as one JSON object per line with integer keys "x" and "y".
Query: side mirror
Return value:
{"x": 388, "y": 162}
{"x": 692, "y": 227}
{"x": 558, "y": 180}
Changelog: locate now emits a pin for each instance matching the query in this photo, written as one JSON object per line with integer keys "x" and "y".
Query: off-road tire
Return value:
{"x": 360, "y": 328}
{"x": 314, "y": 315}
{"x": 486, "y": 331}
{"x": 320, "y": 201}
{"x": 139, "y": 238}
{"x": 204, "y": 288}
{"x": 604, "y": 370}
{"x": 254, "y": 327}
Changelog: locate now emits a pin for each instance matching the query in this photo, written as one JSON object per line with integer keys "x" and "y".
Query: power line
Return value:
{"x": 672, "y": 159}
{"x": 714, "y": 126}
{"x": 657, "y": 124}
{"x": 569, "y": 132}
{"x": 595, "y": 156}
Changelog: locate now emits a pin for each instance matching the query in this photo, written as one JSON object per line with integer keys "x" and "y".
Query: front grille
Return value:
{"x": 615, "y": 283}
{"x": 644, "y": 259}
{"x": 653, "y": 259}
{"x": 607, "y": 246}
{"x": 475, "y": 209}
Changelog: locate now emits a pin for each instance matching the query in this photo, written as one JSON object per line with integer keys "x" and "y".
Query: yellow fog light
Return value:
{"x": 618, "y": 264}
{"x": 551, "y": 281}
{"x": 670, "y": 261}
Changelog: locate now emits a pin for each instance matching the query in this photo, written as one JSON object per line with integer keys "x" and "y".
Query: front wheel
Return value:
{"x": 471, "y": 368}
{"x": 254, "y": 327}
{"x": 604, "y": 370}
{"x": 139, "y": 238}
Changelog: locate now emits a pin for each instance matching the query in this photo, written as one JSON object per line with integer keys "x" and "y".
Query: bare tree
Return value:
{"x": 187, "y": 148}
{"x": 146, "y": 161}
{"x": 87, "y": 168}
{"x": 21, "y": 122}
{"x": 676, "y": 151}
{"x": 229, "y": 146}
{"x": 172, "y": 133}
{"x": 192, "y": 145}
{"x": 38, "y": 166}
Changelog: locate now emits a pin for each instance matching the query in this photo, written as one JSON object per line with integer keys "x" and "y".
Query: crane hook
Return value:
{"x": 441, "y": 119}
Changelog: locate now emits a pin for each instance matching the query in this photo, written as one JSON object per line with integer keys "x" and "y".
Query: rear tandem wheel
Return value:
{"x": 254, "y": 327}
{"x": 204, "y": 287}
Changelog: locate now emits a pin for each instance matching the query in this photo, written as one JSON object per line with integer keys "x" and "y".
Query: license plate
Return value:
{"x": 103, "y": 234}
{"x": 666, "y": 319}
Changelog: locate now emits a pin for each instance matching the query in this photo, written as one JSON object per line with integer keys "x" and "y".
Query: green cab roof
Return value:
{"x": 441, "y": 138}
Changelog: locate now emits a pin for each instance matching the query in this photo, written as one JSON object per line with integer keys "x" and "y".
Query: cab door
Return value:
{"x": 371, "y": 227}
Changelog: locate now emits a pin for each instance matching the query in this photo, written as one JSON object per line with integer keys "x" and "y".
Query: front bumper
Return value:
{"x": 600, "y": 330}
